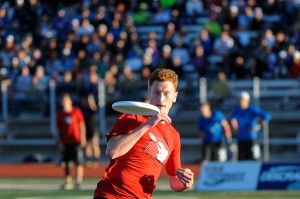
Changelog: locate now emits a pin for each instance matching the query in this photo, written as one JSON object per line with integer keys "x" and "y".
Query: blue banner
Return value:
{"x": 279, "y": 176}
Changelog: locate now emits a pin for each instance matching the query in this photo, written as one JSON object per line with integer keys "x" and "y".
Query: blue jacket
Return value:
{"x": 212, "y": 127}
{"x": 248, "y": 121}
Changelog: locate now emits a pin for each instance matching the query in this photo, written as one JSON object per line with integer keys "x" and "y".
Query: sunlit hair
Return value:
{"x": 163, "y": 75}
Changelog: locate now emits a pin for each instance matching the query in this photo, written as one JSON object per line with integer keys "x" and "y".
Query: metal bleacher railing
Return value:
{"x": 275, "y": 94}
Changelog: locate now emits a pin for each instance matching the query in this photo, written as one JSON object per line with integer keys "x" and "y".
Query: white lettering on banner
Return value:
{"x": 220, "y": 176}
{"x": 281, "y": 174}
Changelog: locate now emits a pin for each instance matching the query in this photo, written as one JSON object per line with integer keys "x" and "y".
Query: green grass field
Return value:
{"x": 41, "y": 188}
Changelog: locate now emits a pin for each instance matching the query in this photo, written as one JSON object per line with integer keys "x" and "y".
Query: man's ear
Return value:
{"x": 175, "y": 96}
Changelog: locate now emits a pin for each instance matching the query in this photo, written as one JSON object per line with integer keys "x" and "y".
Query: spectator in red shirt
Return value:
{"x": 71, "y": 128}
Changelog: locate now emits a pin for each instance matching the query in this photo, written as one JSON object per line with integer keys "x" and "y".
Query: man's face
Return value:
{"x": 244, "y": 103}
{"x": 162, "y": 95}
{"x": 205, "y": 111}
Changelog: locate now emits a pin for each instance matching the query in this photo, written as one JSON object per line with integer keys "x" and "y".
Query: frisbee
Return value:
{"x": 134, "y": 107}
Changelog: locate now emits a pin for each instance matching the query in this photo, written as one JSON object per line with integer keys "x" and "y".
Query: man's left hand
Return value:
{"x": 186, "y": 176}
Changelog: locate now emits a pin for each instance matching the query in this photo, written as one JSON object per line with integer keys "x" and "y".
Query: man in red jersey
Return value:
{"x": 140, "y": 146}
{"x": 71, "y": 128}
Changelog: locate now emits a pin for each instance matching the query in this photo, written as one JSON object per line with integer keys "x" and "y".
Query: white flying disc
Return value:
{"x": 137, "y": 108}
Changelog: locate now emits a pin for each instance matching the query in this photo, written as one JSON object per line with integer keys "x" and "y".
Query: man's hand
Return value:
{"x": 186, "y": 176}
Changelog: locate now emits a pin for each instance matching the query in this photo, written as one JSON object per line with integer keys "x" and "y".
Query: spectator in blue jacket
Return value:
{"x": 245, "y": 120}
{"x": 212, "y": 126}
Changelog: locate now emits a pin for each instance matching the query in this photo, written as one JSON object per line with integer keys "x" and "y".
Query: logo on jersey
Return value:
{"x": 157, "y": 148}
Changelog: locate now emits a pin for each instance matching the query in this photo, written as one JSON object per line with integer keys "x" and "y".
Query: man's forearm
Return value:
{"x": 121, "y": 144}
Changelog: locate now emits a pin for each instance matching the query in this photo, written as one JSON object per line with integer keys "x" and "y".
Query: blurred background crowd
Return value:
{"x": 78, "y": 42}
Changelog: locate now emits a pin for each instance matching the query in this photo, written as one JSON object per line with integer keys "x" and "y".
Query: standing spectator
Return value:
{"x": 220, "y": 88}
{"x": 244, "y": 122}
{"x": 212, "y": 126}
{"x": 72, "y": 139}
{"x": 92, "y": 149}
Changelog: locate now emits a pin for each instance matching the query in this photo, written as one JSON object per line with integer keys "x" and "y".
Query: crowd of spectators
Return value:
{"x": 69, "y": 41}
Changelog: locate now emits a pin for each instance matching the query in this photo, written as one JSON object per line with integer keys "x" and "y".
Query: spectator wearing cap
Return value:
{"x": 245, "y": 120}
{"x": 165, "y": 59}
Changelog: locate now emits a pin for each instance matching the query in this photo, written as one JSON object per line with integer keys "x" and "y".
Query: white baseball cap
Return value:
{"x": 245, "y": 95}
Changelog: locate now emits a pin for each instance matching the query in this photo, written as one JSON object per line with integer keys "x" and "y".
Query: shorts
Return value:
{"x": 73, "y": 153}
{"x": 248, "y": 150}
{"x": 90, "y": 128}
{"x": 214, "y": 151}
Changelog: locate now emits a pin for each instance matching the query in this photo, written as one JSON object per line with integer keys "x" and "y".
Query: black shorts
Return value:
{"x": 248, "y": 150}
{"x": 91, "y": 129}
{"x": 73, "y": 153}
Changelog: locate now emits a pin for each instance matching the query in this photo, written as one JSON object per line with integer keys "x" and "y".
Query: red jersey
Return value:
{"x": 69, "y": 125}
{"x": 134, "y": 174}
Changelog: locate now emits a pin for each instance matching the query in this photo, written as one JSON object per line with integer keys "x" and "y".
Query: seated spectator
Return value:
{"x": 177, "y": 66}
{"x": 199, "y": 61}
{"x": 206, "y": 42}
{"x": 281, "y": 42}
{"x": 193, "y": 8}
{"x": 128, "y": 84}
{"x": 232, "y": 18}
{"x": 181, "y": 51}
{"x": 86, "y": 28}
{"x": 295, "y": 67}
{"x": 53, "y": 64}
{"x": 110, "y": 84}
{"x": 155, "y": 52}
{"x": 23, "y": 84}
{"x": 269, "y": 38}
{"x": 94, "y": 45}
{"x": 115, "y": 29}
{"x": 8, "y": 51}
{"x": 40, "y": 80}
{"x": 213, "y": 26}
{"x": 161, "y": 16}
{"x": 223, "y": 44}
{"x": 165, "y": 59}
{"x": 61, "y": 24}
{"x": 258, "y": 21}
{"x": 141, "y": 16}
{"x": 67, "y": 85}
{"x": 245, "y": 18}
{"x": 14, "y": 70}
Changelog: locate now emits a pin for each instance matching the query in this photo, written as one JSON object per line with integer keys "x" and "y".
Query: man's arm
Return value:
{"x": 227, "y": 129}
{"x": 183, "y": 181}
{"x": 82, "y": 134}
{"x": 121, "y": 144}
{"x": 234, "y": 124}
